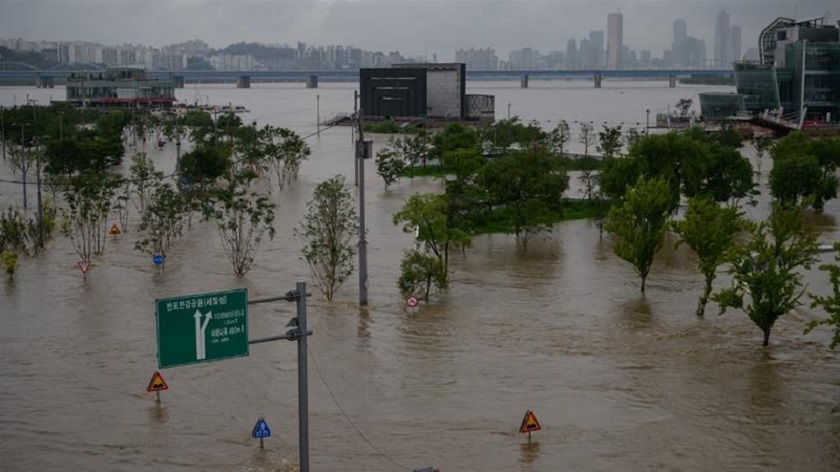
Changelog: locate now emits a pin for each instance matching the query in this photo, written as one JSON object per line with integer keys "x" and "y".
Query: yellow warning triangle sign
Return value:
{"x": 157, "y": 383}
{"x": 529, "y": 423}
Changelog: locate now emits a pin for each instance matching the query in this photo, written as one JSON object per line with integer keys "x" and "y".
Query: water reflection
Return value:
{"x": 529, "y": 451}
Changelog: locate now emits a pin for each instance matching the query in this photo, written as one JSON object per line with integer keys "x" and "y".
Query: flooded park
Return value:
{"x": 620, "y": 381}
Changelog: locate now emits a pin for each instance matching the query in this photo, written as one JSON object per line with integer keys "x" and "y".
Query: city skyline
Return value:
{"x": 410, "y": 27}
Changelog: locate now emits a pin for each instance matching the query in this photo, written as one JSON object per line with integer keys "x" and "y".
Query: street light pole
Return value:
{"x": 647, "y": 121}
{"x": 508, "y": 111}
{"x": 3, "y": 129}
{"x": 360, "y": 166}
{"x": 38, "y": 179}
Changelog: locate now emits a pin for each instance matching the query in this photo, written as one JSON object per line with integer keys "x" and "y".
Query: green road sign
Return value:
{"x": 202, "y": 328}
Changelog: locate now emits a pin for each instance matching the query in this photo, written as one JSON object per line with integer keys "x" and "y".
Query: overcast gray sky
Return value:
{"x": 413, "y": 27}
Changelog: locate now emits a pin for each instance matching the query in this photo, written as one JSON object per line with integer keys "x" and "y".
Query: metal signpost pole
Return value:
{"x": 303, "y": 382}
{"x": 360, "y": 165}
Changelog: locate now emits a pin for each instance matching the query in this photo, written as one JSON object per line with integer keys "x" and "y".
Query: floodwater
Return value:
{"x": 618, "y": 380}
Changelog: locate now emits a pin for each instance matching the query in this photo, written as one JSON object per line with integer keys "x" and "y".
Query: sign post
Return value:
{"x": 202, "y": 328}
{"x": 156, "y": 384}
{"x": 261, "y": 431}
{"x": 529, "y": 424}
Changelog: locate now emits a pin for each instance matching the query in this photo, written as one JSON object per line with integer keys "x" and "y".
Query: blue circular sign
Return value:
{"x": 157, "y": 259}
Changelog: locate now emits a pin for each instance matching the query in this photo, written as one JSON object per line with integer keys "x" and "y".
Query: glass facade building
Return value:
{"x": 799, "y": 73}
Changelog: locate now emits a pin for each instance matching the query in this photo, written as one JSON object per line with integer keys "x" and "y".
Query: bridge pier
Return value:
{"x": 597, "y": 80}
{"x": 45, "y": 82}
{"x": 672, "y": 81}
{"x": 243, "y": 81}
{"x": 523, "y": 81}
{"x": 312, "y": 82}
{"x": 179, "y": 81}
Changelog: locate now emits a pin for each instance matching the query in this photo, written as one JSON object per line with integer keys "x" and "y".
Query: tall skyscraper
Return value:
{"x": 596, "y": 47}
{"x": 723, "y": 48}
{"x": 735, "y": 43}
{"x": 572, "y": 59}
{"x": 680, "y": 31}
{"x": 615, "y": 40}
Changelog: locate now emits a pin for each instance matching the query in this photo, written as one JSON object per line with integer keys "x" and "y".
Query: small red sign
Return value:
{"x": 411, "y": 302}
{"x": 115, "y": 230}
{"x": 157, "y": 383}
{"x": 84, "y": 266}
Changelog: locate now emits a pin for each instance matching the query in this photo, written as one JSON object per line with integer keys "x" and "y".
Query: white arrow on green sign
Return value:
{"x": 202, "y": 328}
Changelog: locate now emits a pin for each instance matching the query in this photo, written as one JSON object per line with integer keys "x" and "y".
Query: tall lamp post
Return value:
{"x": 38, "y": 177}
{"x": 3, "y": 129}
{"x": 647, "y": 121}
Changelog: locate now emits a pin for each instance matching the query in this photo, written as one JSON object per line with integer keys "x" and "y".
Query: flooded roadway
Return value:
{"x": 619, "y": 381}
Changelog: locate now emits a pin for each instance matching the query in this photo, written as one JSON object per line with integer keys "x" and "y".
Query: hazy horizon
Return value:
{"x": 411, "y": 27}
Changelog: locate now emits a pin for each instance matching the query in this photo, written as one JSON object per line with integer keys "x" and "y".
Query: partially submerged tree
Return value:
{"x": 88, "y": 198}
{"x": 609, "y": 141}
{"x": 144, "y": 180}
{"x": 426, "y": 216}
{"x": 640, "y": 223}
{"x": 389, "y": 166}
{"x": 420, "y": 272}
{"x": 242, "y": 218}
{"x": 709, "y": 230}
{"x": 163, "y": 221}
{"x": 528, "y": 186}
{"x": 587, "y": 137}
{"x": 327, "y": 229}
{"x": 766, "y": 270}
{"x": 558, "y": 137}
{"x": 830, "y": 303}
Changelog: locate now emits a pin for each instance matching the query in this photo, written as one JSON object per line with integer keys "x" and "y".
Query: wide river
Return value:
{"x": 619, "y": 381}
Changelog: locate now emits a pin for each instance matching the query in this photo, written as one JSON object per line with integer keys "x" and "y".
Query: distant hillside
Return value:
{"x": 32, "y": 58}
{"x": 261, "y": 51}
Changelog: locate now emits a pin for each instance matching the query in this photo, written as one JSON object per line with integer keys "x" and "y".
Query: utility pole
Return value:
{"x": 3, "y": 129}
{"x": 355, "y": 115}
{"x": 24, "y": 167}
{"x": 318, "y": 114}
{"x": 361, "y": 151}
{"x": 61, "y": 125}
{"x": 38, "y": 178}
{"x": 303, "y": 382}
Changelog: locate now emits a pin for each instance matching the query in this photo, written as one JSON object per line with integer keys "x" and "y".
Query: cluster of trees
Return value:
{"x": 77, "y": 152}
{"x": 510, "y": 178}
{"x": 764, "y": 259}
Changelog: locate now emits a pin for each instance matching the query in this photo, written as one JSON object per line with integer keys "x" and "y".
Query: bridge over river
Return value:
{"x": 17, "y": 72}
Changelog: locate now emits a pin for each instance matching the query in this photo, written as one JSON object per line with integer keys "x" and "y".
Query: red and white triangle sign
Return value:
{"x": 84, "y": 266}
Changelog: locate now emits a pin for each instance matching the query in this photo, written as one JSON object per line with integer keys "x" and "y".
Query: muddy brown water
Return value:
{"x": 618, "y": 380}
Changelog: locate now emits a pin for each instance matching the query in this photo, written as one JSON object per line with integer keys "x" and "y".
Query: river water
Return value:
{"x": 618, "y": 380}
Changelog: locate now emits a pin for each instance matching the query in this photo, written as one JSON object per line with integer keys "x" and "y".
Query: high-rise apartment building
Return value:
{"x": 615, "y": 40}
{"x": 735, "y": 43}
{"x": 723, "y": 31}
{"x": 572, "y": 59}
{"x": 680, "y": 31}
{"x": 596, "y": 48}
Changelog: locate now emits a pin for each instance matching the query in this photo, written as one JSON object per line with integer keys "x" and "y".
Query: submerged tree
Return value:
{"x": 587, "y": 137}
{"x": 766, "y": 270}
{"x": 88, "y": 198}
{"x": 426, "y": 216}
{"x": 241, "y": 217}
{"x": 557, "y": 138}
{"x": 163, "y": 221}
{"x": 709, "y": 230}
{"x": 640, "y": 223}
{"x": 389, "y": 166}
{"x": 328, "y": 227}
{"x": 420, "y": 272}
{"x": 831, "y": 303}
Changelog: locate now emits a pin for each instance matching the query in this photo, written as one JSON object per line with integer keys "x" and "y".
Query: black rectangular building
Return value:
{"x": 393, "y": 93}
